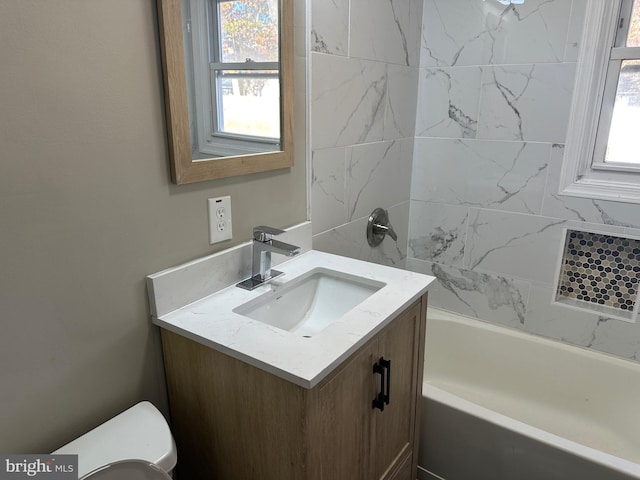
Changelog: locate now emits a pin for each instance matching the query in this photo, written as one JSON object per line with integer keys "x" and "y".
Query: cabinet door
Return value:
{"x": 341, "y": 446}
{"x": 393, "y": 428}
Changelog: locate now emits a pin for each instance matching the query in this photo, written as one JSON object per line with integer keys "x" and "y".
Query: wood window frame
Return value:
{"x": 184, "y": 169}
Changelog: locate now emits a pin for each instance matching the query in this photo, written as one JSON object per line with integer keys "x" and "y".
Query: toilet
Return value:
{"x": 136, "y": 444}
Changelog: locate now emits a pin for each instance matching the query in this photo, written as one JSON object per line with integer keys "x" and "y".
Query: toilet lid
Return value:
{"x": 128, "y": 470}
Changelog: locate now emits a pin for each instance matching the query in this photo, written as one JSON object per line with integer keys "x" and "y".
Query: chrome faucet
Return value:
{"x": 263, "y": 246}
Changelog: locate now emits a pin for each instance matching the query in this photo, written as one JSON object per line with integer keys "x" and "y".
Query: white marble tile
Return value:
{"x": 330, "y": 26}
{"x": 618, "y": 338}
{"x": 402, "y": 90}
{"x": 350, "y": 240}
{"x": 437, "y": 232}
{"x": 470, "y": 32}
{"x": 580, "y": 327}
{"x": 519, "y": 246}
{"x": 557, "y": 321}
{"x": 348, "y": 99}
{"x": 584, "y": 209}
{"x": 532, "y": 32}
{"x": 453, "y": 33}
{"x": 328, "y": 203}
{"x": 492, "y": 298}
{"x": 448, "y": 102}
{"x": 386, "y": 30}
{"x": 378, "y": 175}
{"x": 526, "y": 102}
{"x": 498, "y": 175}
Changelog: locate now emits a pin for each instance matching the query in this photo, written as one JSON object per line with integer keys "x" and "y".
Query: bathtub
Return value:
{"x": 499, "y": 404}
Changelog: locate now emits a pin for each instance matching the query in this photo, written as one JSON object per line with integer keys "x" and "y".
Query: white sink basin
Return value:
{"x": 341, "y": 308}
{"x": 311, "y": 302}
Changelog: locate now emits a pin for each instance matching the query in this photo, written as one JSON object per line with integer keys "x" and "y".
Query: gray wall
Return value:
{"x": 87, "y": 210}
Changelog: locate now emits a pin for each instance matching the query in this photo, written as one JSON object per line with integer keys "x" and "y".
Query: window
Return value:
{"x": 236, "y": 68}
{"x": 603, "y": 145}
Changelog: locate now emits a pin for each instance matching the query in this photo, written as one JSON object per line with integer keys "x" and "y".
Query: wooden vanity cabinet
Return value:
{"x": 235, "y": 421}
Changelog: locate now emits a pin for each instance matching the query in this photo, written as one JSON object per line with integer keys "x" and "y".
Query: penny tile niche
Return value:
{"x": 600, "y": 273}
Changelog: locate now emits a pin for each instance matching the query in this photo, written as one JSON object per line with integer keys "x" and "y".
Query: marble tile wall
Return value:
{"x": 365, "y": 58}
{"x": 494, "y": 93}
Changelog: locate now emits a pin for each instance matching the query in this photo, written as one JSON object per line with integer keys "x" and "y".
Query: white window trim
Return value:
{"x": 577, "y": 177}
{"x": 208, "y": 143}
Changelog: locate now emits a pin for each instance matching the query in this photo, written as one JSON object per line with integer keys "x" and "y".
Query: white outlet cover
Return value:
{"x": 220, "y": 224}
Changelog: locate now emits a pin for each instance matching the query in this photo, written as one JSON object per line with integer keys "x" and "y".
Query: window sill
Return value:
{"x": 600, "y": 185}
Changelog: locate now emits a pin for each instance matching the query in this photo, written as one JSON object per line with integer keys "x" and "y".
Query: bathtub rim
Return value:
{"x": 447, "y": 315}
{"x": 432, "y": 391}
{"x": 619, "y": 465}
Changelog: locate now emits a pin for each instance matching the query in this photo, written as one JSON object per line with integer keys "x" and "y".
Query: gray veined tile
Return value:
{"x": 515, "y": 31}
{"x": 516, "y": 102}
{"x": 557, "y": 321}
{"x": 506, "y": 176}
{"x": 378, "y": 175}
{"x": 448, "y": 102}
{"x": 470, "y": 32}
{"x": 328, "y": 203}
{"x": 437, "y": 232}
{"x": 453, "y": 33}
{"x": 402, "y": 90}
{"x": 390, "y": 32}
{"x": 581, "y": 328}
{"x": 618, "y": 338}
{"x": 493, "y": 298}
{"x": 520, "y": 246}
{"x": 330, "y": 26}
{"x": 348, "y": 100}
{"x": 515, "y": 245}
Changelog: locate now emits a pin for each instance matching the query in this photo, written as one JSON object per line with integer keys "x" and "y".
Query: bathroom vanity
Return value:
{"x": 250, "y": 400}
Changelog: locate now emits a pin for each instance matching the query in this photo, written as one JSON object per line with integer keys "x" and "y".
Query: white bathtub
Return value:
{"x": 499, "y": 404}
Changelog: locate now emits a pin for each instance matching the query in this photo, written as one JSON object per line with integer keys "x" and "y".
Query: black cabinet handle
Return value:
{"x": 382, "y": 367}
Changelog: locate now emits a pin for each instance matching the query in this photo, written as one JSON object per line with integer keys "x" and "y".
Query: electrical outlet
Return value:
{"x": 219, "y": 219}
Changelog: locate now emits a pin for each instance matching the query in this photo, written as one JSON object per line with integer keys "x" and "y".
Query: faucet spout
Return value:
{"x": 276, "y": 246}
{"x": 263, "y": 246}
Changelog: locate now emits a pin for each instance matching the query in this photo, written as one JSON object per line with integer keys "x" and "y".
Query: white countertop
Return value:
{"x": 304, "y": 361}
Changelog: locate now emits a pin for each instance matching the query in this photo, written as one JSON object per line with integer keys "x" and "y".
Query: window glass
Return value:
{"x": 250, "y": 101}
{"x": 248, "y": 30}
{"x": 624, "y": 143}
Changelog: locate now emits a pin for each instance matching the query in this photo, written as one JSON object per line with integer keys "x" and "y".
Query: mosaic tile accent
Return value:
{"x": 600, "y": 269}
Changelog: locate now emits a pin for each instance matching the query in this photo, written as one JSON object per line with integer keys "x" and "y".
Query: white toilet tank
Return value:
{"x": 139, "y": 433}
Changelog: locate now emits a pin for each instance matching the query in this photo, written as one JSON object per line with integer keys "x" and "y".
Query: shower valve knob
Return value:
{"x": 378, "y": 227}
